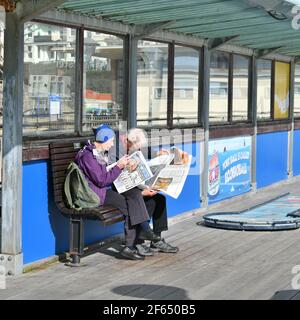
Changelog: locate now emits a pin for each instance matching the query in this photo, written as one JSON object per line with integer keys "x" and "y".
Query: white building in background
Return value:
{"x": 44, "y": 43}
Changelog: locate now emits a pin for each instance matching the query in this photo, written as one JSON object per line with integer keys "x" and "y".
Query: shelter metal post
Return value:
{"x": 205, "y": 78}
{"x": 291, "y": 132}
{"x": 79, "y": 80}
{"x": 132, "y": 103}
{"x": 11, "y": 226}
{"x": 253, "y": 107}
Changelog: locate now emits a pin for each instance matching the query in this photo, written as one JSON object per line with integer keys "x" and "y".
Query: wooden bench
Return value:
{"x": 61, "y": 154}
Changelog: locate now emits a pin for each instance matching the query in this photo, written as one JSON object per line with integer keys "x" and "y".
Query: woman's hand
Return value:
{"x": 122, "y": 163}
{"x": 132, "y": 165}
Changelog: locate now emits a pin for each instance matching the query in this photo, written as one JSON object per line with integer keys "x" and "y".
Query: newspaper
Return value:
{"x": 132, "y": 175}
{"x": 171, "y": 178}
{"x": 166, "y": 173}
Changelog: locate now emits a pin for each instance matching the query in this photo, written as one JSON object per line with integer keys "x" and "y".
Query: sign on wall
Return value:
{"x": 55, "y": 105}
{"x": 229, "y": 171}
{"x": 282, "y": 90}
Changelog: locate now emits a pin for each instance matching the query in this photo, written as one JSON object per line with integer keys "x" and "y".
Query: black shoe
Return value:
{"x": 163, "y": 246}
{"x": 148, "y": 235}
{"x": 131, "y": 254}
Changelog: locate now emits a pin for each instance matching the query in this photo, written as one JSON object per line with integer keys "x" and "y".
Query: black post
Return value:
{"x": 79, "y": 80}
{"x": 76, "y": 240}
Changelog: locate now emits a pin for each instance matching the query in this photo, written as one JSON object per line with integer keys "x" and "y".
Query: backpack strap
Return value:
{"x": 71, "y": 168}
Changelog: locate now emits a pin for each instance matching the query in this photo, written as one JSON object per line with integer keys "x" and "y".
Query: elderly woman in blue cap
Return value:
{"x": 92, "y": 160}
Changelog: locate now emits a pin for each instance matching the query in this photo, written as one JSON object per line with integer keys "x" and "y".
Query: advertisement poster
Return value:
{"x": 229, "y": 172}
{"x": 282, "y": 90}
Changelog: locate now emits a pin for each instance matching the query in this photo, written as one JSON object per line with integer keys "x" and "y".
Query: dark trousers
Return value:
{"x": 131, "y": 204}
{"x": 157, "y": 210}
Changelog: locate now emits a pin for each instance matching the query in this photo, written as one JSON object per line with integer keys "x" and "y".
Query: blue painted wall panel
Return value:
{"x": 38, "y": 238}
{"x": 296, "y": 156}
{"x": 46, "y": 230}
{"x": 271, "y": 160}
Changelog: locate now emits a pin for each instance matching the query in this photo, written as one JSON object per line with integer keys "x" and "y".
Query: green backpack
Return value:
{"x": 78, "y": 194}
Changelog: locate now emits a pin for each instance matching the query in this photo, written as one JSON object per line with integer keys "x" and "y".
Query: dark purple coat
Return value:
{"x": 97, "y": 176}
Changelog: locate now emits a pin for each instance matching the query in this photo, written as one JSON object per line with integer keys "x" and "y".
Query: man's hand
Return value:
{"x": 148, "y": 192}
{"x": 162, "y": 152}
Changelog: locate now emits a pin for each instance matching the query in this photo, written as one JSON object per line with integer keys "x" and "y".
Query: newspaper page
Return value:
{"x": 157, "y": 164}
{"x": 133, "y": 176}
{"x": 171, "y": 179}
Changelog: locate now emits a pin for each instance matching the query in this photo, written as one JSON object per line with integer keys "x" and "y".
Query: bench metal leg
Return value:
{"x": 76, "y": 241}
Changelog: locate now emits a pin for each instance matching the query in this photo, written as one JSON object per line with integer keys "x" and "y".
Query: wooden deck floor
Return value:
{"x": 211, "y": 264}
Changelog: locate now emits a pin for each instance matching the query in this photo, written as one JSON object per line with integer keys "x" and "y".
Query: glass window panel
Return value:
{"x": 218, "y": 101}
{"x": 47, "y": 108}
{"x": 297, "y": 91}
{"x": 240, "y": 88}
{"x": 103, "y": 79}
{"x": 152, "y": 83}
{"x": 264, "y": 73}
{"x": 186, "y": 74}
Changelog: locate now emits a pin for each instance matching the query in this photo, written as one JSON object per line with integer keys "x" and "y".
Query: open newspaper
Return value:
{"x": 169, "y": 172}
{"x": 133, "y": 174}
{"x": 166, "y": 173}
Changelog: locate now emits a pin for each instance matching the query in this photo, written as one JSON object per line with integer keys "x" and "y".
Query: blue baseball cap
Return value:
{"x": 103, "y": 133}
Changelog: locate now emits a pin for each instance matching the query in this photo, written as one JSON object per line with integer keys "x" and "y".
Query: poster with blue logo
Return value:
{"x": 229, "y": 171}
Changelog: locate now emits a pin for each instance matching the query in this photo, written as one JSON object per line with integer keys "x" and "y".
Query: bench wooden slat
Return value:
{"x": 108, "y": 222}
{"x": 65, "y": 149}
{"x": 58, "y": 196}
{"x": 61, "y": 167}
{"x": 64, "y": 144}
{"x": 58, "y": 181}
{"x": 110, "y": 214}
{"x": 58, "y": 186}
{"x": 66, "y": 156}
{"x": 105, "y": 212}
{"x": 61, "y": 161}
{"x": 94, "y": 214}
{"x": 59, "y": 174}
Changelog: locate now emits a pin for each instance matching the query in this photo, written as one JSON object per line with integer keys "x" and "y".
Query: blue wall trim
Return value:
{"x": 271, "y": 159}
{"x": 296, "y": 154}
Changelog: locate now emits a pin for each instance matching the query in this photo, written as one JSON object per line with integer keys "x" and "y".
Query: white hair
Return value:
{"x": 137, "y": 136}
